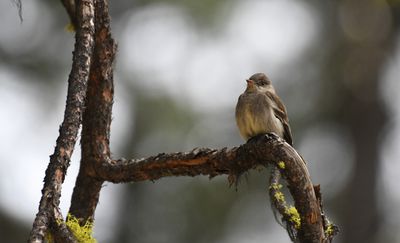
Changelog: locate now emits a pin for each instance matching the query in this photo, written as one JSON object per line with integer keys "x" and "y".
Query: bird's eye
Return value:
{"x": 263, "y": 83}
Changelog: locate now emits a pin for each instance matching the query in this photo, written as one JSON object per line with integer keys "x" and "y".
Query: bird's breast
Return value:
{"x": 255, "y": 115}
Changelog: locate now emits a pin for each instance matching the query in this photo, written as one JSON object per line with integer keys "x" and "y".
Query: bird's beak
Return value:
{"x": 250, "y": 82}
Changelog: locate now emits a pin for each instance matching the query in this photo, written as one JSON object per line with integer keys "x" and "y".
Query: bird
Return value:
{"x": 259, "y": 110}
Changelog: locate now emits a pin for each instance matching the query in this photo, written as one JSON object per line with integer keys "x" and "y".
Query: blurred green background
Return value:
{"x": 180, "y": 67}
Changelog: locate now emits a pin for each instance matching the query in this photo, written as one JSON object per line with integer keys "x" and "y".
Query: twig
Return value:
{"x": 69, "y": 6}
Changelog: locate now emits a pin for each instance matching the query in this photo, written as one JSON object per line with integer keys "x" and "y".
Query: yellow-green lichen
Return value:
{"x": 279, "y": 196}
{"x": 82, "y": 233}
{"x": 59, "y": 221}
{"x": 294, "y": 216}
{"x": 70, "y": 28}
{"x": 330, "y": 229}
{"x": 281, "y": 165}
{"x": 275, "y": 186}
{"x": 49, "y": 237}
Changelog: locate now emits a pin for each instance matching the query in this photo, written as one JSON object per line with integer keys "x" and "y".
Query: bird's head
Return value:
{"x": 259, "y": 82}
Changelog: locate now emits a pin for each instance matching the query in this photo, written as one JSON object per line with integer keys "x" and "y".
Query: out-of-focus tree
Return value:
{"x": 357, "y": 40}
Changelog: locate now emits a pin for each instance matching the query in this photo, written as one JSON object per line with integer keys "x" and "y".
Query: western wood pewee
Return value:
{"x": 259, "y": 110}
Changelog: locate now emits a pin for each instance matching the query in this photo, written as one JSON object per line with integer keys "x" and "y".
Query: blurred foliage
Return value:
{"x": 205, "y": 13}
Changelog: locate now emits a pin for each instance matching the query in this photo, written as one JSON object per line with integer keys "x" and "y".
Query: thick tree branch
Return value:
{"x": 96, "y": 119}
{"x": 77, "y": 85}
{"x": 268, "y": 149}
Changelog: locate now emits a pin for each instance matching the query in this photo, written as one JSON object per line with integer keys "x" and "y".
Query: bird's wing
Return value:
{"x": 280, "y": 113}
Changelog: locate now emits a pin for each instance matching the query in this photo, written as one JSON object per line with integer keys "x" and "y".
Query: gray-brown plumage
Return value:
{"x": 259, "y": 110}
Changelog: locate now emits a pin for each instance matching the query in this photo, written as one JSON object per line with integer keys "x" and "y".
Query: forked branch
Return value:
{"x": 92, "y": 22}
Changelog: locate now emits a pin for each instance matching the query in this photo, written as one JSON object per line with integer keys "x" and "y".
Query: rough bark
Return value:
{"x": 268, "y": 149}
{"x": 96, "y": 119}
{"x": 77, "y": 85}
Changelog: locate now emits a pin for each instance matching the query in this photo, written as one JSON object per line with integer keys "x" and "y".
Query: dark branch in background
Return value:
{"x": 18, "y": 4}
{"x": 70, "y": 6}
{"x": 77, "y": 85}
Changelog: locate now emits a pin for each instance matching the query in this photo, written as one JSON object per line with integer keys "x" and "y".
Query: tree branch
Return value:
{"x": 70, "y": 7}
{"x": 264, "y": 150}
{"x": 77, "y": 85}
{"x": 96, "y": 119}
{"x": 18, "y": 4}
{"x": 279, "y": 205}
{"x": 60, "y": 229}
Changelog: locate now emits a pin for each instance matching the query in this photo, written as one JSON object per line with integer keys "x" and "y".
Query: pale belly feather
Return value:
{"x": 257, "y": 119}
